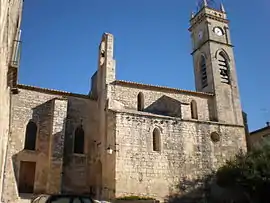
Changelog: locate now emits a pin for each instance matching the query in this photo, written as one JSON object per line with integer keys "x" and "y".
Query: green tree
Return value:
{"x": 249, "y": 173}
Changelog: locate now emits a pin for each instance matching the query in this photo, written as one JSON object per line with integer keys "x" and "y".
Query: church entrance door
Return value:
{"x": 27, "y": 177}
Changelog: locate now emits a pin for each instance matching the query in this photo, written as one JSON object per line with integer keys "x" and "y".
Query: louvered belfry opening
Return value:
{"x": 203, "y": 72}
{"x": 223, "y": 68}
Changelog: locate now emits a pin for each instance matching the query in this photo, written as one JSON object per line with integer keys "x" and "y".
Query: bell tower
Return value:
{"x": 213, "y": 60}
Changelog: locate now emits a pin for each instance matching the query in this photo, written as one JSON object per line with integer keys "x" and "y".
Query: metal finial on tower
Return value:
{"x": 192, "y": 14}
{"x": 222, "y": 8}
{"x": 206, "y": 3}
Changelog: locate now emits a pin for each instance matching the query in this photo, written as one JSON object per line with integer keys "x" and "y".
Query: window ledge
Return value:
{"x": 35, "y": 151}
{"x": 79, "y": 155}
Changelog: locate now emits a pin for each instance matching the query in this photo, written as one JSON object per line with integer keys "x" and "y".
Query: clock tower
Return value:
{"x": 214, "y": 65}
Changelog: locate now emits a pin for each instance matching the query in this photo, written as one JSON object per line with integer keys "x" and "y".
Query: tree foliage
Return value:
{"x": 250, "y": 173}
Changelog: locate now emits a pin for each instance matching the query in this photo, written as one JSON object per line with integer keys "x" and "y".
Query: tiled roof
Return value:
{"x": 52, "y": 91}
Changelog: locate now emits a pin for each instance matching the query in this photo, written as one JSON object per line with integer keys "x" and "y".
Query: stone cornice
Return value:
{"x": 210, "y": 40}
{"x": 202, "y": 16}
{"x": 174, "y": 119}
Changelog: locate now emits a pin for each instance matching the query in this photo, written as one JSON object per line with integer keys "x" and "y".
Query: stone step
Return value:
{"x": 25, "y": 198}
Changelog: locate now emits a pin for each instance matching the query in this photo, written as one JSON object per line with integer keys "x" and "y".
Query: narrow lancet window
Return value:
{"x": 156, "y": 140}
{"x": 140, "y": 102}
{"x": 194, "y": 111}
{"x": 79, "y": 140}
{"x": 30, "y": 136}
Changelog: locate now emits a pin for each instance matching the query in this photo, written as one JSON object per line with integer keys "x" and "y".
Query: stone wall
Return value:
{"x": 258, "y": 137}
{"x": 186, "y": 146}
{"x": 109, "y": 161}
{"x": 28, "y": 105}
{"x": 56, "y": 115}
{"x": 186, "y": 151}
{"x": 10, "y": 10}
{"x": 160, "y": 101}
{"x": 56, "y": 153}
{"x": 77, "y": 166}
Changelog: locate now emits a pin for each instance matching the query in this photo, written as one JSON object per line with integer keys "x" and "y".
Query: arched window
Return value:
{"x": 223, "y": 68}
{"x": 140, "y": 102}
{"x": 203, "y": 70}
{"x": 193, "y": 107}
{"x": 156, "y": 140}
{"x": 79, "y": 140}
{"x": 30, "y": 136}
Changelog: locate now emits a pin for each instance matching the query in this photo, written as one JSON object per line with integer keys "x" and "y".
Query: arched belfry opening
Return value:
{"x": 140, "y": 102}
{"x": 224, "y": 70}
{"x": 102, "y": 52}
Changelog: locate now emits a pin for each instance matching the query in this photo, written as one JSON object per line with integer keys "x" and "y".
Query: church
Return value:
{"x": 123, "y": 138}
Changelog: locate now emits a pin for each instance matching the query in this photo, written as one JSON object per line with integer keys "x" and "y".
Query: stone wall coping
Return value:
{"x": 151, "y": 115}
{"x": 160, "y": 88}
{"x": 52, "y": 91}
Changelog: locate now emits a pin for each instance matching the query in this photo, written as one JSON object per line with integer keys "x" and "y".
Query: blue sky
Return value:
{"x": 152, "y": 45}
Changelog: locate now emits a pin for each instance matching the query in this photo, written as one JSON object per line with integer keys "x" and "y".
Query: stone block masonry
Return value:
{"x": 10, "y": 14}
{"x": 56, "y": 156}
{"x": 156, "y": 136}
{"x": 186, "y": 151}
{"x": 57, "y": 114}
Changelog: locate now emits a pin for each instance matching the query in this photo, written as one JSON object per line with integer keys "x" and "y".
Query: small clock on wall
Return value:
{"x": 200, "y": 34}
{"x": 218, "y": 31}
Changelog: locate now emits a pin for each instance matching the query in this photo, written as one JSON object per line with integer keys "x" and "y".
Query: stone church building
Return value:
{"x": 123, "y": 138}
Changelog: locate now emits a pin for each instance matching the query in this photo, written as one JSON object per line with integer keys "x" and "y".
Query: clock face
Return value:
{"x": 200, "y": 34}
{"x": 218, "y": 31}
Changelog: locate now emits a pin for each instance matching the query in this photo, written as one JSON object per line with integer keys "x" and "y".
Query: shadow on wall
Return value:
{"x": 75, "y": 160}
{"x": 165, "y": 106}
{"x": 205, "y": 190}
{"x": 31, "y": 164}
{"x": 15, "y": 165}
